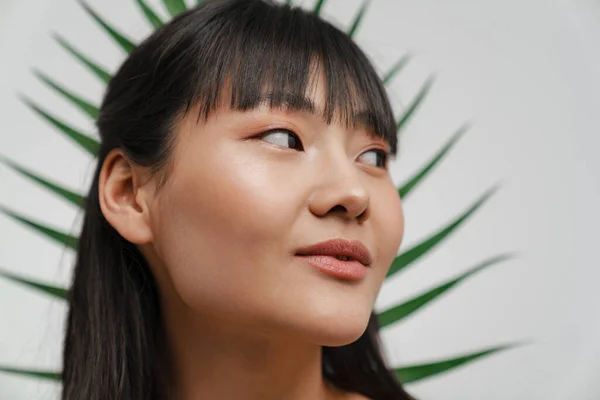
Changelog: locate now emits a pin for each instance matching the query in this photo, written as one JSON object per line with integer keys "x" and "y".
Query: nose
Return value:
{"x": 340, "y": 192}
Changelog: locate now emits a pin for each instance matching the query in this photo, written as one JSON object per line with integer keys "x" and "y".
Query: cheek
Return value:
{"x": 224, "y": 226}
{"x": 387, "y": 218}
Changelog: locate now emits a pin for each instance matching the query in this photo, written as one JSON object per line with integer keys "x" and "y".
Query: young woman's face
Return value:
{"x": 238, "y": 206}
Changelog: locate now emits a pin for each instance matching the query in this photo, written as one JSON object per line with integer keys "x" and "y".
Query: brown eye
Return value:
{"x": 379, "y": 160}
{"x": 284, "y": 138}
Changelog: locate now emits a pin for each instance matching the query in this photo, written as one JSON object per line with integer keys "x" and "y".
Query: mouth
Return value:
{"x": 340, "y": 249}
{"x": 338, "y": 257}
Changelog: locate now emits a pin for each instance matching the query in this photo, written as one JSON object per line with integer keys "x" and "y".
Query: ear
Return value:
{"x": 123, "y": 200}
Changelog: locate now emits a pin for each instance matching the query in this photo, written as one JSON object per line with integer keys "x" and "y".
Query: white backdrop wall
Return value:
{"x": 524, "y": 72}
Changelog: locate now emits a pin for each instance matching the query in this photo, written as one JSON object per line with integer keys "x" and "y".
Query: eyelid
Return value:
{"x": 381, "y": 146}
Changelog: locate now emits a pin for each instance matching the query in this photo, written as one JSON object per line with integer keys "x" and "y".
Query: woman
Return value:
{"x": 241, "y": 219}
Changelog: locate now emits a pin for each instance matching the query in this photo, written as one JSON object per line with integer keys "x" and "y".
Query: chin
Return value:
{"x": 338, "y": 330}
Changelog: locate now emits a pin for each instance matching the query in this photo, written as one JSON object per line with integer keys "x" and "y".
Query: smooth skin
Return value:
{"x": 245, "y": 317}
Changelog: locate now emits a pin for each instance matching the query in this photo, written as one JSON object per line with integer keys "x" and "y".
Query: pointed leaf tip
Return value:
{"x": 427, "y": 245}
{"x": 175, "y": 7}
{"x": 62, "y": 192}
{"x": 397, "y": 313}
{"x": 418, "y": 372}
{"x": 51, "y": 233}
{"x": 150, "y": 15}
{"x": 415, "y": 103}
{"x": 417, "y": 178}
{"x": 127, "y": 45}
{"x": 358, "y": 18}
{"x": 53, "y": 291}
{"x": 100, "y": 72}
{"x": 396, "y": 68}
{"x": 318, "y": 6}
{"x": 86, "y": 142}
{"x": 83, "y": 105}
{"x": 49, "y": 375}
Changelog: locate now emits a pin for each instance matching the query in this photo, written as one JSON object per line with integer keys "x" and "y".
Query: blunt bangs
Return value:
{"x": 259, "y": 52}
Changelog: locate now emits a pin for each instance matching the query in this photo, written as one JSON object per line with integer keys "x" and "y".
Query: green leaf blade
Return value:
{"x": 65, "y": 194}
{"x": 126, "y": 44}
{"x": 53, "y": 234}
{"x": 318, "y": 7}
{"x": 47, "y": 375}
{"x": 416, "y": 373}
{"x": 87, "y": 143}
{"x": 358, "y": 18}
{"x": 85, "y": 106}
{"x": 150, "y": 15}
{"x": 415, "y": 104}
{"x": 175, "y": 7}
{"x": 53, "y": 291}
{"x": 407, "y": 187}
{"x": 419, "y": 250}
{"x": 100, "y": 72}
{"x": 397, "y": 313}
{"x": 396, "y": 68}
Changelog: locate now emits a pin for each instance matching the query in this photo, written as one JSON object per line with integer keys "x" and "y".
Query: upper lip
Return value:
{"x": 339, "y": 247}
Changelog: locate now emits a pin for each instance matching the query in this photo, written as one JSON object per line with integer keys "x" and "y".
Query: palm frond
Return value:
{"x": 415, "y": 373}
{"x": 150, "y": 15}
{"x": 397, "y": 313}
{"x": 175, "y": 7}
{"x": 415, "y": 104}
{"x": 396, "y": 68}
{"x": 126, "y": 44}
{"x": 358, "y": 18}
{"x": 47, "y": 375}
{"x": 412, "y": 182}
{"x": 86, "y": 142}
{"x": 51, "y": 233}
{"x": 53, "y": 291}
{"x": 419, "y": 250}
{"x": 92, "y": 66}
{"x": 62, "y": 192}
{"x": 85, "y": 106}
{"x": 318, "y": 6}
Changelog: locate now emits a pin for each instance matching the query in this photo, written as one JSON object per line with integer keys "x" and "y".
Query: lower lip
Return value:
{"x": 351, "y": 270}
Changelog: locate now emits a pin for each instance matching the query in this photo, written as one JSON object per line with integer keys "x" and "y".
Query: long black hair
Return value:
{"x": 115, "y": 344}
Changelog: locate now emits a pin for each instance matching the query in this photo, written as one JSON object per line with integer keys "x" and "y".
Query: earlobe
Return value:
{"x": 121, "y": 201}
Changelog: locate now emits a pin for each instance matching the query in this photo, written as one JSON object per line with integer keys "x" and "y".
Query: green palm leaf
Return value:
{"x": 415, "y": 104}
{"x": 288, "y": 2}
{"x": 89, "y": 109}
{"x": 407, "y": 187}
{"x": 49, "y": 375}
{"x": 358, "y": 18}
{"x": 60, "y": 237}
{"x": 87, "y": 143}
{"x": 415, "y": 373}
{"x": 416, "y": 252}
{"x": 318, "y": 7}
{"x": 119, "y": 38}
{"x": 401, "y": 311}
{"x": 151, "y": 16}
{"x": 175, "y": 7}
{"x": 95, "y": 68}
{"x": 53, "y": 291}
{"x": 66, "y": 194}
{"x": 396, "y": 68}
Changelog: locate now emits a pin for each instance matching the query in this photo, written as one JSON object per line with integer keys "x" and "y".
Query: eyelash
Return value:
{"x": 383, "y": 153}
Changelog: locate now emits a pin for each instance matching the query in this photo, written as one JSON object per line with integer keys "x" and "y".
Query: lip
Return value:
{"x": 339, "y": 247}
{"x": 322, "y": 256}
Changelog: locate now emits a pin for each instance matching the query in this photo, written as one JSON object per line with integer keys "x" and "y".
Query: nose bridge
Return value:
{"x": 339, "y": 188}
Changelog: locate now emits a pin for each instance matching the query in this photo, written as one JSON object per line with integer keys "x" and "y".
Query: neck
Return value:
{"x": 216, "y": 358}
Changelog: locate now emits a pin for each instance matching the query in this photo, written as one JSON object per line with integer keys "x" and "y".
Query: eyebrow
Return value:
{"x": 299, "y": 103}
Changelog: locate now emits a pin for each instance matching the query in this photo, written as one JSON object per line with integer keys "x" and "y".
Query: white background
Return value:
{"x": 524, "y": 72}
